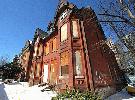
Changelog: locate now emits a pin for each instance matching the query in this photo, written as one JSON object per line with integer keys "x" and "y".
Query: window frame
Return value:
{"x": 80, "y": 63}
{"x": 61, "y": 34}
{"x": 66, "y": 63}
{"x": 78, "y": 28}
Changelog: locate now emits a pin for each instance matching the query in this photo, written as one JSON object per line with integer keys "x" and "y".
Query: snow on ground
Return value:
{"x": 21, "y": 91}
{"x": 122, "y": 95}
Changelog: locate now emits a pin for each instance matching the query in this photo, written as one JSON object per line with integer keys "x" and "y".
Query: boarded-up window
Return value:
{"x": 78, "y": 63}
{"x": 54, "y": 44}
{"x": 64, "y": 63}
{"x": 53, "y": 71}
{"x": 38, "y": 70}
{"x": 40, "y": 50}
{"x": 35, "y": 51}
{"x": 51, "y": 44}
{"x": 75, "y": 28}
{"x": 64, "y": 32}
{"x": 47, "y": 48}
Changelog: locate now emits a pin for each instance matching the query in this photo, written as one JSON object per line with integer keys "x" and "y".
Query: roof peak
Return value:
{"x": 62, "y": 3}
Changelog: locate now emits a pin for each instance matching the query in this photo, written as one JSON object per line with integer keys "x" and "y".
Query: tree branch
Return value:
{"x": 126, "y": 8}
{"x": 122, "y": 18}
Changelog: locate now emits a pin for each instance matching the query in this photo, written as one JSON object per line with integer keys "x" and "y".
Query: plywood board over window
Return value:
{"x": 47, "y": 48}
{"x": 75, "y": 29}
{"x": 35, "y": 51}
{"x": 38, "y": 70}
{"x": 64, "y": 63}
{"x": 53, "y": 71}
{"x": 64, "y": 32}
{"x": 40, "y": 50}
{"x": 78, "y": 63}
{"x": 54, "y": 44}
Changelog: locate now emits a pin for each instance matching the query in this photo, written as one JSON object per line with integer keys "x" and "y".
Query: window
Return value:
{"x": 40, "y": 50}
{"x": 64, "y": 70}
{"x": 63, "y": 15}
{"x": 78, "y": 63}
{"x": 35, "y": 51}
{"x": 64, "y": 32}
{"x": 47, "y": 48}
{"x": 75, "y": 28}
{"x": 37, "y": 70}
{"x": 54, "y": 44}
{"x": 64, "y": 63}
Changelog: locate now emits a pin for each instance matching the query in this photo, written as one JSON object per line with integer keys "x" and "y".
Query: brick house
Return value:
{"x": 35, "y": 70}
{"x": 73, "y": 52}
{"x": 25, "y": 59}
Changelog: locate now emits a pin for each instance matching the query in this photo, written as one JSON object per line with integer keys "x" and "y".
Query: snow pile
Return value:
{"x": 21, "y": 91}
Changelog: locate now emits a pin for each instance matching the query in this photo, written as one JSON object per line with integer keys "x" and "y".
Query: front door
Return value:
{"x": 45, "y": 78}
{"x": 53, "y": 75}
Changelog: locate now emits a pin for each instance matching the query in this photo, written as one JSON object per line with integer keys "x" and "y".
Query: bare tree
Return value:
{"x": 3, "y": 60}
{"x": 119, "y": 15}
{"x": 127, "y": 6}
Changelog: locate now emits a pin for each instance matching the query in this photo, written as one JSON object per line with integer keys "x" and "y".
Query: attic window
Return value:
{"x": 63, "y": 15}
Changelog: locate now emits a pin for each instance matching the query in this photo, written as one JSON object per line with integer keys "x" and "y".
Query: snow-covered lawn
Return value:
{"x": 122, "y": 95}
{"x": 21, "y": 91}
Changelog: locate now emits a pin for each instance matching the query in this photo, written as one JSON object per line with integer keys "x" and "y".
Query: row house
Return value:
{"x": 35, "y": 71}
{"x": 25, "y": 59}
{"x": 73, "y": 54}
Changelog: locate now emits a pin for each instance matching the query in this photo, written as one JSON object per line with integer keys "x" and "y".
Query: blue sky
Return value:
{"x": 20, "y": 18}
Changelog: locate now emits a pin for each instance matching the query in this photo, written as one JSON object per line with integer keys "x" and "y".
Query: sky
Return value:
{"x": 20, "y": 18}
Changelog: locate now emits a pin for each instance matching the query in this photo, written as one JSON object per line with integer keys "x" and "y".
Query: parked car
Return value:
{"x": 8, "y": 81}
{"x": 131, "y": 85}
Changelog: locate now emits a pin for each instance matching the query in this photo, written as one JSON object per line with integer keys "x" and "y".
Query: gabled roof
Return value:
{"x": 42, "y": 34}
{"x": 63, "y": 4}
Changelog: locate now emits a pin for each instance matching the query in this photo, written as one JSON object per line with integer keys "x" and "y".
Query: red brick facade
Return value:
{"x": 72, "y": 54}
